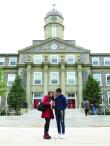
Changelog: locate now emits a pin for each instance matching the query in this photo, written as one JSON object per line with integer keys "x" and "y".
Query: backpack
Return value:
{"x": 86, "y": 104}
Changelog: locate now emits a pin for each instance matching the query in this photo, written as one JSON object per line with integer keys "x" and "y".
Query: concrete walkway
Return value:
{"x": 73, "y": 137}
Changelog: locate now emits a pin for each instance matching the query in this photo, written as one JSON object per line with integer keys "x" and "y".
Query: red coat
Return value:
{"x": 48, "y": 112}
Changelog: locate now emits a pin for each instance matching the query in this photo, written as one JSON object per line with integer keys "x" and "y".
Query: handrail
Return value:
{"x": 105, "y": 107}
{"x": 5, "y": 107}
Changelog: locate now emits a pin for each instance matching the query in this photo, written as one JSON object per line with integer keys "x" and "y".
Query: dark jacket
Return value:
{"x": 60, "y": 102}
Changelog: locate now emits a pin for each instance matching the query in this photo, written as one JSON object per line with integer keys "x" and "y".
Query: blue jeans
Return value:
{"x": 60, "y": 116}
{"x": 94, "y": 110}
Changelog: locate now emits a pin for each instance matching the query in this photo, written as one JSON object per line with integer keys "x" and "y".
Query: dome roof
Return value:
{"x": 54, "y": 13}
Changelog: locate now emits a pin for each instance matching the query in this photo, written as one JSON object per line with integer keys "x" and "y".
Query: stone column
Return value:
{"x": 63, "y": 78}
{"x": 80, "y": 88}
{"x": 28, "y": 87}
{"x": 45, "y": 79}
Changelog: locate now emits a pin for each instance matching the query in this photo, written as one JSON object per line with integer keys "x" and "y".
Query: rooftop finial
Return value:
{"x": 54, "y": 5}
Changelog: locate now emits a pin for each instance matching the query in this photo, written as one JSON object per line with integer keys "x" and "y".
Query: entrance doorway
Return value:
{"x": 71, "y": 104}
{"x": 71, "y": 100}
{"x": 37, "y": 97}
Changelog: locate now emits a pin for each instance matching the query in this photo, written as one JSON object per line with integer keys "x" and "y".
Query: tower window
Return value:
{"x": 53, "y": 31}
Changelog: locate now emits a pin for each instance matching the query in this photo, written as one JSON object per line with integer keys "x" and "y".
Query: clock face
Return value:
{"x": 54, "y": 46}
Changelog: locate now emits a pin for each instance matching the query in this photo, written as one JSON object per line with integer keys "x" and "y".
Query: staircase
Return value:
{"x": 74, "y": 113}
{"x": 73, "y": 118}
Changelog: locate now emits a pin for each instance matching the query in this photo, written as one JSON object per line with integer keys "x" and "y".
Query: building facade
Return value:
{"x": 54, "y": 62}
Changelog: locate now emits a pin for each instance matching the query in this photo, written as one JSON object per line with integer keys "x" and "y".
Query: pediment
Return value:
{"x": 53, "y": 45}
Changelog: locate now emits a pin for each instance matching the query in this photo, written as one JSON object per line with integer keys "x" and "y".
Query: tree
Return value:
{"x": 17, "y": 96}
{"x": 2, "y": 84}
{"x": 92, "y": 90}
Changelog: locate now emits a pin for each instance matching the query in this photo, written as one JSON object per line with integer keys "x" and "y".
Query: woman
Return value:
{"x": 48, "y": 113}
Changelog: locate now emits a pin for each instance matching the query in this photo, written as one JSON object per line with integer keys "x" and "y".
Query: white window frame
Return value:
{"x": 106, "y": 58}
{"x": 51, "y": 59}
{"x": 40, "y": 59}
{"x": 102, "y": 98}
{"x": 106, "y": 79}
{"x": 57, "y": 73}
{"x": 74, "y": 78}
{"x": 54, "y": 31}
{"x": 10, "y": 61}
{"x": 68, "y": 57}
{"x": 11, "y": 80}
{"x": 35, "y": 78}
{"x": 97, "y": 74}
{"x": 108, "y": 96}
{"x": 37, "y": 97}
{"x": 2, "y": 58}
{"x": 97, "y": 61}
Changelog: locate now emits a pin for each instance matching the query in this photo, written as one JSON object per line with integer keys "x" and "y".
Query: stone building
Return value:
{"x": 55, "y": 62}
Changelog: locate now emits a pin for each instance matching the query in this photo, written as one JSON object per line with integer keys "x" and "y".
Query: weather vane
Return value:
{"x": 54, "y": 5}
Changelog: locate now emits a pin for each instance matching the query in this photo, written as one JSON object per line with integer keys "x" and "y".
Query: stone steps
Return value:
{"x": 73, "y": 118}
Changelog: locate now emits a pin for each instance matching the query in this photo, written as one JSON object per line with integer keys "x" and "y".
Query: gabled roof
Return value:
{"x": 74, "y": 48}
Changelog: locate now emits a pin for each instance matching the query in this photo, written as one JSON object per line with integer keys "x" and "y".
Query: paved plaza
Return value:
{"x": 27, "y": 130}
{"x": 74, "y": 137}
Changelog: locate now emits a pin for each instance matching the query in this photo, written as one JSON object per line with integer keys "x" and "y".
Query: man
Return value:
{"x": 86, "y": 106}
{"x": 60, "y": 106}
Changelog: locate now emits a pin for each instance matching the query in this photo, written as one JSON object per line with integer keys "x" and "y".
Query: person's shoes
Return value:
{"x": 62, "y": 136}
{"x": 49, "y": 136}
{"x": 46, "y": 136}
{"x": 58, "y": 135}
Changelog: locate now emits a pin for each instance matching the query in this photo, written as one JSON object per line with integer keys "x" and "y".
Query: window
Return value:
{"x": 70, "y": 59}
{"x": 11, "y": 79}
{"x": 95, "y": 61}
{"x": 101, "y": 102}
{"x": 12, "y": 61}
{"x": 54, "y": 59}
{"x": 71, "y": 95}
{"x": 37, "y": 95}
{"x": 107, "y": 61}
{"x": 38, "y": 78}
{"x": 37, "y": 59}
{"x": 108, "y": 79}
{"x": 70, "y": 78}
{"x": 53, "y": 31}
{"x": 97, "y": 77}
{"x": 54, "y": 79}
{"x": 108, "y": 94}
{"x": 2, "y": 61}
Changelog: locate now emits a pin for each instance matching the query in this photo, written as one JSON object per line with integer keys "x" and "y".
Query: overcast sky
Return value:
{"x": 86, "y": 21}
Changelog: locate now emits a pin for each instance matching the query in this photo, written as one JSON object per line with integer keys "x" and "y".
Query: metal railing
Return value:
{"x": 4, "y": 108}
{"x": 105, "y": 107}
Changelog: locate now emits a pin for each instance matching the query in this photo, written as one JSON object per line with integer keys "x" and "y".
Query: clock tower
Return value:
{"x": 54, "y": 25}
